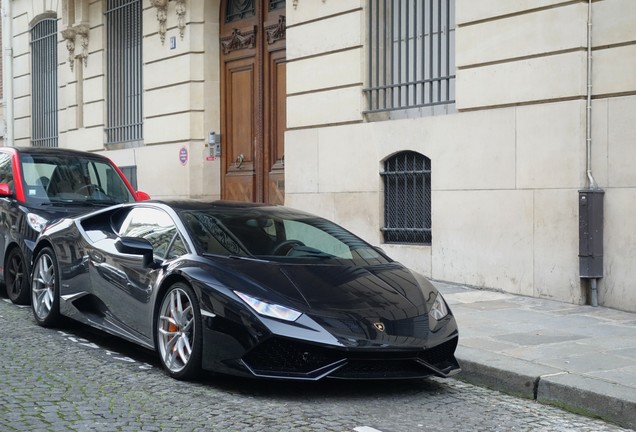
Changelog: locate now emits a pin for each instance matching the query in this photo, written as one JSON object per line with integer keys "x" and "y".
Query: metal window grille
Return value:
{"x": 276, "y": 4}
{"x": 44, "y": 128}
{"x": 407, "y": 199}
{"x": 411, "y": 54}
{"x": 239, "y": 9}
{"x": 124, "y": 71}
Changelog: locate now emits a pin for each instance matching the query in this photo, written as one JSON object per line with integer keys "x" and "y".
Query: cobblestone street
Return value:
{"x": 75, "y": 379}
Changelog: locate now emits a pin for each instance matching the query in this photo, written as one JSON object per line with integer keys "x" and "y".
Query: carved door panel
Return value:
{"x": 253, "y": 100}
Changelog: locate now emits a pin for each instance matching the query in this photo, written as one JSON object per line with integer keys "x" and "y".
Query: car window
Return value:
{"x": 157, "y": 227}
{"x": 55, "y": 178}
{"x": 177, "y": 249}
{"x": 276, "y": 235}
{"x": 6, "y": 169}
{"x": 211, "y": 235}
{"x": 315, "y": 238}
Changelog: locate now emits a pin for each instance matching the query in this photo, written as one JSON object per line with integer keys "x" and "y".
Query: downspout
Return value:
{"x": 7, "y": 70}
{"x": 591, "y": 198}
{"x": 588, "y": 117}
{"x": 588, "y": 133}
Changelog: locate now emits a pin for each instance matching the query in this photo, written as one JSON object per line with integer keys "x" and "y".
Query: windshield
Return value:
{"x": 277, "y": 235}
{"x": 50, "y": 179}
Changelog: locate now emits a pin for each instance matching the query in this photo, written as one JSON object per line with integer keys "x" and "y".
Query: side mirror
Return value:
{"x": 5, "y": 190}
{"x": 142, "y": 196}
{"x": 136, "y": 246}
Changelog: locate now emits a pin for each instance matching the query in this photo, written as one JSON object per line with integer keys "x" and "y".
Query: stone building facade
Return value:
{"x": 313, "y": 100}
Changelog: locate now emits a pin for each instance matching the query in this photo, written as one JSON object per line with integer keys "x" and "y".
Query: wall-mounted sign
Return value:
{"x": 183, "y": 155}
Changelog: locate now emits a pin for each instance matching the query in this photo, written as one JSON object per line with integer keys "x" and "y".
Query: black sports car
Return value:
{"x": 243, "y": 289}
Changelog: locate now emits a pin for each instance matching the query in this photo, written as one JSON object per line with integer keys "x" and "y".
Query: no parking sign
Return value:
{"x": 183, "y": 155}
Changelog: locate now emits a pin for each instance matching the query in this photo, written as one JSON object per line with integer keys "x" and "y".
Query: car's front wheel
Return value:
{"x": 178, "y": 332}
{"x": 45, "y": 289}
{"x": 16, "y": 277}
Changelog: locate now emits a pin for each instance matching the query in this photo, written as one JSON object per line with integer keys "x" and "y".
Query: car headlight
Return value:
{"x": 439, "y": 309}
{"x": 269, "y": 309}
{"x": 36, "y": 222}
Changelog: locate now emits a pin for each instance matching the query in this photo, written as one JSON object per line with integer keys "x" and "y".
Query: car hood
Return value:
{"x": 361, "y": 306}
{"x": 380, "y": 290}
{"x": 387, "y": 290}
{"x": 53, "y": 211}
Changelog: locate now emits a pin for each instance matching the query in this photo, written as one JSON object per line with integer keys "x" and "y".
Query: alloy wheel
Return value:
{"x": 43, "y": 289}
{"x": 176, "y": 329}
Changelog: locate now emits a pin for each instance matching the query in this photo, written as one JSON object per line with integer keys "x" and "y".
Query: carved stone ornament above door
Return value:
{"x": 238, "y": 40}
{"x": 276, "y": 32}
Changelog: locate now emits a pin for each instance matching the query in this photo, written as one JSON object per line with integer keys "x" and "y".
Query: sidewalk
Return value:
{"x": 579, "y": 358}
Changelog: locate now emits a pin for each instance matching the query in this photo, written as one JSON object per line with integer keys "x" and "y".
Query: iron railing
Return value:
{"x": 411, "y": 55}
{"x": 44, "y": 118}
{"x": 124, "y": 85}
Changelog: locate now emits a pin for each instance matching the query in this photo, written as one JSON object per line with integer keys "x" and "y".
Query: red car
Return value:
{"x": 38, "y": 185}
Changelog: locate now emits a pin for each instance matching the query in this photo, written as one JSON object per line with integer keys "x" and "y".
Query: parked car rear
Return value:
{"x": 39, "y": 185}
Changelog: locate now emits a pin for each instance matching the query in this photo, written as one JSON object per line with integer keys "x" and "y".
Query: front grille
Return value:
{"x": 377, "y": 369}
{"x": 278, "y": 356}
{"x": 287, "y": 356}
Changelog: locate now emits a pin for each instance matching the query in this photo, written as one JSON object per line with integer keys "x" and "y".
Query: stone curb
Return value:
{"x": 498, "y": 372}
{"x": 576, "y": 393}
{"x": 593, "y": 397}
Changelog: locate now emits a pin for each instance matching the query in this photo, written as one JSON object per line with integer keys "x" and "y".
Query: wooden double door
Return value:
{"x": 253, "y": 100}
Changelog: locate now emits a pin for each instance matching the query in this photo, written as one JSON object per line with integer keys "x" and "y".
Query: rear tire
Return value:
{"x": 45, "y": 289}
{"x": 178, "y": 333}
{"x": 16, "y": 277}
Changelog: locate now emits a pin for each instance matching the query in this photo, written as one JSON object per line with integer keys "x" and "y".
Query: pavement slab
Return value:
{"x": 579, "y": 358}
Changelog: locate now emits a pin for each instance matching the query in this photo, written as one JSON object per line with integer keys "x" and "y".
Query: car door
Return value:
{"x": 6, "y": 207}
{"x": 123, "y": 281}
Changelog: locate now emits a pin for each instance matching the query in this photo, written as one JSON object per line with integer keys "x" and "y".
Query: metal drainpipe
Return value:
{"x": 7, "y": 68}
{"x": 588, "y": 123}
{"x": 588, "y": 118}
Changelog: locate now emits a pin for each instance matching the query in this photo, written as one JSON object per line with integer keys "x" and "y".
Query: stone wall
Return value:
{"x": 506, "y": 168}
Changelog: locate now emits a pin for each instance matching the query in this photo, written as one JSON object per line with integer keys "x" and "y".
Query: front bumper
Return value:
{"x": 291, "y": 359}
{"x": 268, "y": 349}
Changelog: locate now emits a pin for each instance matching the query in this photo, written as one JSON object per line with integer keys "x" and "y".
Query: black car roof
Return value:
{"x": 194, "y": 204}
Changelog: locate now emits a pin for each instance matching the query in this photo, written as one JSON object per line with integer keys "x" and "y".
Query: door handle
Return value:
{"x": 239, "y": 161}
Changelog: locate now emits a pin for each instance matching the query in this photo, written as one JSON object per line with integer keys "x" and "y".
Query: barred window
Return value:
{"x": 411, "y": 56}
{"x": 239, "y": 9}
{"x": 124, "y": 72}
{"x": 44, "y": 129}
{"x": 407, "y": 199}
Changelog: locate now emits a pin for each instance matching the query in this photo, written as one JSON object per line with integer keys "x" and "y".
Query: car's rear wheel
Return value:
{"x": 178, "y": 332}
{"x": 16, "y": 277}
{"x": 45, "y": 289}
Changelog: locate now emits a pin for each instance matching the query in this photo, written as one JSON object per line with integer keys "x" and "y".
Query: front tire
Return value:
{"x": 16, "y": 277}
{"x": 178, "y": 332}
{"x": 45, "y": 289}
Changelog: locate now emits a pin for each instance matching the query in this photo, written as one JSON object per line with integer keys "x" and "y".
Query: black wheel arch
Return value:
{"x": 36, "y": 250}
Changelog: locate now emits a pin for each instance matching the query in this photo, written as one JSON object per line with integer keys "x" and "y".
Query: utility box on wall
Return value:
{"x": 591, "y": 233}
